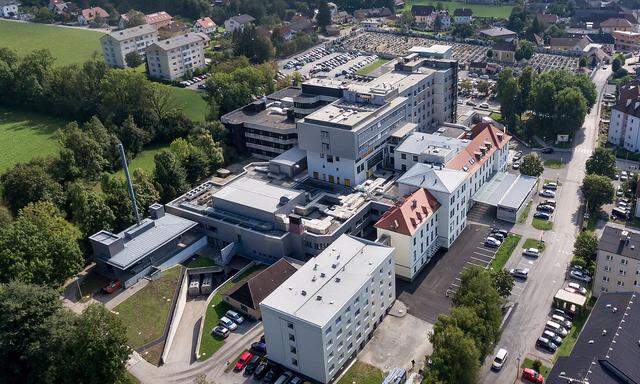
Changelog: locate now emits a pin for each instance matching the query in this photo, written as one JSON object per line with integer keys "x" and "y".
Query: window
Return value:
{"x": 623, "y": 272}
{"x": 609, "y": 257}
{"x": 624, "y": 261}
{"x": 292, "y": 349}
{"x": 292, "y": 337}
{"x": 327, "y": 331}
{"x": 403, "y": 156}
{"x": 607, "y": 268}
{"x": 290, "y": 325}
{"x": 620, "y": 283}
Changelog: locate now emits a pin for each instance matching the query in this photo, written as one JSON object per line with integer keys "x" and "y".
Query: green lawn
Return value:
{"x": 209, "y": 343}
{"x": 479, "y": 10}
{"x": 504, "y": 252}
{"x": 24, "y": 135}
{"x": 554, "y": 164}
{"x": 362, "y": 373}
{"x": 145, "y": 313}
{"x": 525, "y": 213}
{"x": 533, "y": 243}
{"x": 67, "y": 45}
{"x": 145, "y": 159}
{"x": 544, "y": 370}
{"x": 496, "y": 116}
{"x": 367, "y": 69}
{"x": 191, "y": 102}
{"x": 543, "y": 225}
{"x": 202, "y": 261}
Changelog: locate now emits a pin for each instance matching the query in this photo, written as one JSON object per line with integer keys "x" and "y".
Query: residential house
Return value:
{"x": 302, "y": 25}
{"x": 116, "y": 45}
{"x": 341, "y": 17}
{"x": 176, "y": 28}
{"x": 237, "y": 22}
{"x": 89, "y": 15}
{"x": 411, "y": 227}
{"x": 574, "y": 44}
{"x": 9, "y": 8}
{"x": 362, "y": 14}
{"x": 624, "y": 125}
{"x": 205, "y": 25}
{"x": 547, "y": 19}
{"x": 626, "y": 41}
{"x": 246, "y": 297}
{"x": 618, "y": 24}
{"x": 422, "y": 13}
{"x": 504, "y": 51}
{"x": 159, "y": 19}
{"x": 618, "y": 261}
{"x": 463, "y": 16}
{"x": 176, "y": 57}
{"x": 607, "y": 350}
{"x": 498, "y": 34}
{"x": 68, "y": 9}
{"x": 319, "y": 318}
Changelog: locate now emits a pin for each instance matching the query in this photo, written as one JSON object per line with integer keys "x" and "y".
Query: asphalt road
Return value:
{"x": 547, "y": 274}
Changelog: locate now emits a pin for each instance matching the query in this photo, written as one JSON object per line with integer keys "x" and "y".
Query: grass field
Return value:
{"x": 543, "y": 225}
{"x": 533, "y": 243}
{"x": 362, "y": 373}
{"x": 504, "y": 252}
{"x": 24, "y": 135}
{"x": 479, "y": 10}
{"x": 201, "y": 261}
{"x": 145, "y": 313}
{"x": 367, "y": 69}
{"x": 191, "y": 102}
{"x": 67, "y": 45}
{"x": 525, "y": 213}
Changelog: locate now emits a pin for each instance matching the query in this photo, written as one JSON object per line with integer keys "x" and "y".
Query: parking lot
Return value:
{"x": 399, "y": 45}
{"x": 430, "y": 293}
{"x": 323, "y": 62}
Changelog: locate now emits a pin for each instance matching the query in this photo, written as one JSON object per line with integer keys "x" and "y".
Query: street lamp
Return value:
{"x": 517, "y": 370}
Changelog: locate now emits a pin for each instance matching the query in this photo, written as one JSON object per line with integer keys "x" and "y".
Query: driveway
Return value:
{"x": 186, "y": 339}
{"x": 429, "y": 294}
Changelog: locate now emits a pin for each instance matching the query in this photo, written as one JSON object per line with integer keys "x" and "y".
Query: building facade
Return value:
{"x": 618, "y": 261}
{"x": 175, "y": 57}
{"x": 320, "y": 317}
{"x": 116, "y": 45}
{"x": 624, "y": 126}
{"x": 9, "y": 8}
{"x": 237, "y": 22}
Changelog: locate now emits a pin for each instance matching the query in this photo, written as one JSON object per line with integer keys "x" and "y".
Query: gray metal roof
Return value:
{"x": 179, "y": 41}
{"x": 506, "y": 190}
{"x": 433, "y": 178}
{"x": 129, "y": 33}
{"x": 165, "y": 229}
{"x": 613, "y": 240}
{"x": 418, "y": 142}
{"x": 290, "y": 157}
{"x": 254, "y": 193}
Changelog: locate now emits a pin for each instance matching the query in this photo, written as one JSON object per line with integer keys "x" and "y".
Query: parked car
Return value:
{"x": 499, "y": 359}
{"x": 284, "y": 378}
{"x": 532, "y": 376}
{"x": 252, "y": 365}
{"x": 562, "y": 321}
{"x": 579, "y": 288}
{"x": 542, "y": 215}
{"x": 550, "y": 202}
{"x": 551, "y": 186}
{"x": 497, "y": 235}
{"x": 112, "y": 287}
{"x": 235, "y": 316}
{"x": 547, "y": 150}
{"x": 243, "y": 361}
{"x": 547, "y": 193}
{"x": 492, "y": 242}
{"x": 225, "y": 322}
{"x": 221, "y": 331}
{"x": 546, "y": 344}
{"x": 545, "y": 208}
{"x": 515, "y": 165}
{"x": 296, "y": 380}
{"x": 259, "y": 347}
{"x": 484, "y": 105}
{"x": 556, "y": 328}
{"x": 555, "y": 339}
{"x": 561, "y": 312}
{"x": 271, "y": 375}
{"x": 522, "y": 273}
{"x": 578, "y": 275}
{"x": 261, "y": 369}
{"x": 532, "y": 252}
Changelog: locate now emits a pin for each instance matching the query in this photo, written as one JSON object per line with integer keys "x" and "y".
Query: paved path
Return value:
{"x": 547, "y": 273}
{"x": 186, "y": 339}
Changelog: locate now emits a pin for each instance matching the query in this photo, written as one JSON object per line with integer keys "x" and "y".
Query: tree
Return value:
{"x": 503, "y": 282}
{"x": 471, "y": 324}
{"x": 525, "y": 82}
{"x": 525, "y": 50}
{"x": 256, "y": 46}
{"x": 116, "y": 196}
{"x": 483, "y": 86}
{"x": 477, "y": 291}
{"x": 135, "y": 18}
{"x": 531, "y": 165}
{"x": 490, "y": 53}
{"x": 133, "y": 59}
{"x": 40, "y": 247}
{"x": 602, "y": 162}
{"x": 97, "y": 351}
{"x": 5, "y": 217}
{"x": 616, "y": 65}
{"x": 169, "y": 176}
{"x": 88, "y": 210}
{"x": 455, "y": 357}
{"x": 464, "y": 31}
{"x": 133, "y": 138}
{"x": 586, "y": 247}
{"x": 583, "y": 62}
{"x": 88, "y": 153}
{"x": 597, "y": 191}
{"x": 571, "y": 109}
{"x": 324, "y": 15}
{"x": 30, "y": 182}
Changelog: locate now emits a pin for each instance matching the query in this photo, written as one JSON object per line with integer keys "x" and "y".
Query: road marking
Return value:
{"x": 477, "y": 265}
{"x": 491, "y": 256}
{"x": 455, "y": 285}
{"x": 480, "y": 260}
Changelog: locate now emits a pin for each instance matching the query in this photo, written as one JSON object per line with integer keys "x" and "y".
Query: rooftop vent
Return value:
{"x": 314, "y": 278}
{"x": 604, "y": 332}
{"x": 319, "y": 298}
{"x": 322, "y": 274}
{"x": 303, "y": 293}
{"x": 337, "y": 279}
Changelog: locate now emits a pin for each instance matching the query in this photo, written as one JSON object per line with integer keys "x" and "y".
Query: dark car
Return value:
{"x": 271, "y": 375}
{"x": 542, "y": 215}
{"x": 259, "y": 348}
{"x": 252, "y": 365}
{"x": 503, "y": 232}
{"x": 546, "y": 344}
{"x": 545, "y": 208}
{"x": 261, "y": 369}
{"x": 547, "y": 150}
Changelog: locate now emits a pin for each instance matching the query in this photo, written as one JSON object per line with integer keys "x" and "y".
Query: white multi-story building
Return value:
{"x": 427, "y": 148}
{"x": 173, "y": 58}
{"x": 9, "y": 8}
{"x": 411, "y": 227}
{"x": 237, "y": 22}
{"x": 116, "y": 45}
{"x": 320, "y": 317}
{"x": 618, "y": 261}
{"x": 624, "y": 127}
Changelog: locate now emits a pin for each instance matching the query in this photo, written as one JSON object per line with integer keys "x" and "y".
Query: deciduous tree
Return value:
{"x": 602, "y": 162}
{"x": 597, "y": 191}
{"x": 531, "y": 165}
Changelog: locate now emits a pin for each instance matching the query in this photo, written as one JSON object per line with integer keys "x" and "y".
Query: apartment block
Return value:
{"x": 618, "y": 261}
{"x": 116, "y": 45}
{"x": 624, "y": 126}
{"x": 175, "y": 57}
{"x": 411, "y": 227}
{"x": 319, "y": 318}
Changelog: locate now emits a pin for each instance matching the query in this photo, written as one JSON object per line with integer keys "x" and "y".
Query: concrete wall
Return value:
{"x": 184, "y": 254}
{"x": 177, "y": 315}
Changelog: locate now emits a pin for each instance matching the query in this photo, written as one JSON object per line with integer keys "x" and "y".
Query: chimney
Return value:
{"x": 414, "y": 203}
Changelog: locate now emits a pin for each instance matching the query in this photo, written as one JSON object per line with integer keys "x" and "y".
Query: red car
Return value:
{"x": 243, "y": 360}
{"x": 532, "y": 376}
{"x": 112, "y": 287}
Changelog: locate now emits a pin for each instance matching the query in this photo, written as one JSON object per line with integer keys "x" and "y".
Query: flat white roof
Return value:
{"x": 255, "y": 193}
{"x": 323, "y": 285}
{"x": 434, "y": 49}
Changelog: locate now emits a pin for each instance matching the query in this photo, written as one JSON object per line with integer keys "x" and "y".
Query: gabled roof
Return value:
{"x": 255, "y": 289}
{"x": 547, "y": 18}
{"x": 503, "y": 46}
{"x": 463, "y": 12}
{"x": 616, "y": 22}
{"x": 158, "y": 17}
{"x": 620, "y": 241}
{"x": 205, "y": 22}
{"x": 411, "y": 211}
{"x": 433, "y": 178}
{"x": 485, "y": 139}
{"x": 243, "y": 19}
{"x": 629, "y": 99}
{"x": 579, "y": 41}
{"x": 91, "y": 13}
{"x": 422, "y": 10}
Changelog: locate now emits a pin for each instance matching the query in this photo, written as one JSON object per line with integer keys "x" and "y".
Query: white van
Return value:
{"x": 556, "y": 328}
{"x": 499, "y": 360}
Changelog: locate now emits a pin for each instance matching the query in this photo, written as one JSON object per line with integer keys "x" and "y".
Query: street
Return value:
{"x": 547, "y": 273}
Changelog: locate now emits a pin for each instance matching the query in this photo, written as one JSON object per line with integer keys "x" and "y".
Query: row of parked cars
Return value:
{"x": 330, "y": 64}
{"x": 555, "y": 330}
{"x": 300, "y": 61}
{"x": 545, "y": 209}
{"x": 195, "y": 80}
{"x": 495, "y": 237}
{"x": 528, "y": 374}
{"x": 254, "y": 363}
{"x": 227, "y": 323}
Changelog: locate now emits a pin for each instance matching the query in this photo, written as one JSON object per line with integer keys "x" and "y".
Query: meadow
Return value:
{"x": 479, "y": 10}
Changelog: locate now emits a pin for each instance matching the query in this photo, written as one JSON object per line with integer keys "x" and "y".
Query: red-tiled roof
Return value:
{"x": 91, "y": 13}
{"x": 407, "y": 215}
{"x": 485, "y": 138}
{"x": 205, "y": 22}
{"x": 158, "y": 17}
